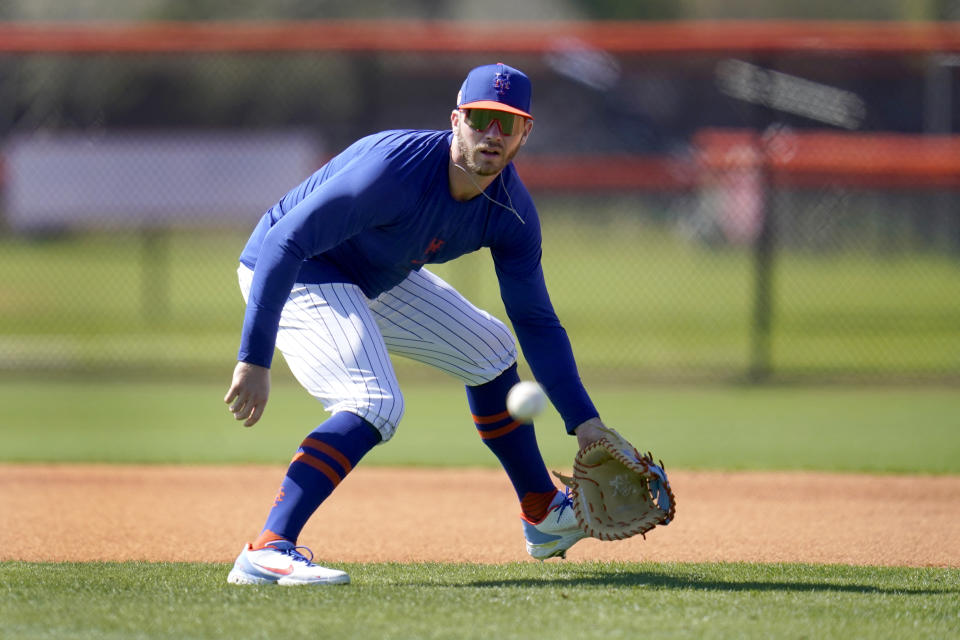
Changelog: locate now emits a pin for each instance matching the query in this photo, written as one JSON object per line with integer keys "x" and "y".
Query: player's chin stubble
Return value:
{"x": 475, "y": 161}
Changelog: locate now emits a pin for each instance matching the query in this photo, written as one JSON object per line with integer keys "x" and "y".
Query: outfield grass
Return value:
{"x": 633, "y": 294}
{"x": 832, "y": 429}
{"x": 548, "y": 600}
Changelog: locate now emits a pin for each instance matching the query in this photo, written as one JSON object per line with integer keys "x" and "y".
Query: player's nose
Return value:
{"x": 493, "y": 131}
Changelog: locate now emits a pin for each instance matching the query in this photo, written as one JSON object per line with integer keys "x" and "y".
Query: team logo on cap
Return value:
{"x": 501, "y": 82}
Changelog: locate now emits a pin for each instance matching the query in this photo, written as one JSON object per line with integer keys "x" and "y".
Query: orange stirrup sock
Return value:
{"x": 266, "y": 538}
{"x": 535, "y": 505}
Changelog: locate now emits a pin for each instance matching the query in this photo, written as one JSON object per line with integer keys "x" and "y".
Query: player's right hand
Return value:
{"x": 247, "y": 396}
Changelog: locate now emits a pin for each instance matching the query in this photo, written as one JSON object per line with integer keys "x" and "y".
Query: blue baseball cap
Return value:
{"x": 498, "y": 87}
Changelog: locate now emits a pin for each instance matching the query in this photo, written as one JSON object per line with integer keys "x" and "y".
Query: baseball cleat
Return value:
{"x": 281, "y": 563}
{"x": 557, "y": 532}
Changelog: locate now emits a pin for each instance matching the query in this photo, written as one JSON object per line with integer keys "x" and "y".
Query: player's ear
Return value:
{"x": 527, "y": 128}
{"x": 454, "y": 119}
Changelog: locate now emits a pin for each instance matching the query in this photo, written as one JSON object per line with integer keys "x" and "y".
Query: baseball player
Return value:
{"x": 333, "y": 276}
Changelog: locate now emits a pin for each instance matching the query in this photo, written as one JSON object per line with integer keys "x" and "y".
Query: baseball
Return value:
{"x": 526, "y": 400}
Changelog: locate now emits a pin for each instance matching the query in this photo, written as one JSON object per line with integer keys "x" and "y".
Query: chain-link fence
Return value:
{"x": 708, "y": 211}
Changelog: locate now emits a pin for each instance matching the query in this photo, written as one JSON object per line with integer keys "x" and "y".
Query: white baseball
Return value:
{"x": 526, "y": 400}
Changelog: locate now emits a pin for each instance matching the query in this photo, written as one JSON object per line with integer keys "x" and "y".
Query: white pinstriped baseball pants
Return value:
{"x": 337, "y": 342}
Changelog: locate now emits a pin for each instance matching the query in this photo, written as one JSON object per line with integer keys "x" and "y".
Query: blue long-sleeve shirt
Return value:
{"x": 382, "y": 208}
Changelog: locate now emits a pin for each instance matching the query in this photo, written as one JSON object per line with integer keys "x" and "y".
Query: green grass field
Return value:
{"x": 550, "y": 600}
{"x": 832, "y": 429}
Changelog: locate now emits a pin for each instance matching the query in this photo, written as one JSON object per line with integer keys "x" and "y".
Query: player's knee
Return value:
{"x": 384, "y": 412}
{"x": 496, "y": 352}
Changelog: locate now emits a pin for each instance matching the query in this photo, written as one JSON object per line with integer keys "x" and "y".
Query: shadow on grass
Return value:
{"x": 654, "y": 580}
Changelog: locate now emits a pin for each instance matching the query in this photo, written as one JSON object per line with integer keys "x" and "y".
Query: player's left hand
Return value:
{"x": 617, "y": 492}
{"x": 248, "y": 393}
{"x": 590, "y": 431}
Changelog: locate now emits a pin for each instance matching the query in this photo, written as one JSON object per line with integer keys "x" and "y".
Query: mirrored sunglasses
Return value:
{"x": 480, "y": 119}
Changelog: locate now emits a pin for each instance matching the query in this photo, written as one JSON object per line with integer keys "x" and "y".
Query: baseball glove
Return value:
{"x": 618, "y": 493}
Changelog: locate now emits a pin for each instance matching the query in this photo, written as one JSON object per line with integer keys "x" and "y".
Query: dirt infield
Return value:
{"x": 174, "y": 513}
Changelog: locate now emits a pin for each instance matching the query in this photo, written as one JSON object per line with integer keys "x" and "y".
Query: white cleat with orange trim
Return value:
{"x": 280, "y": 562}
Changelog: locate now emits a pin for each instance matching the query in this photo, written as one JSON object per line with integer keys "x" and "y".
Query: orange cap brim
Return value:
{"x": 495, "y": 106}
